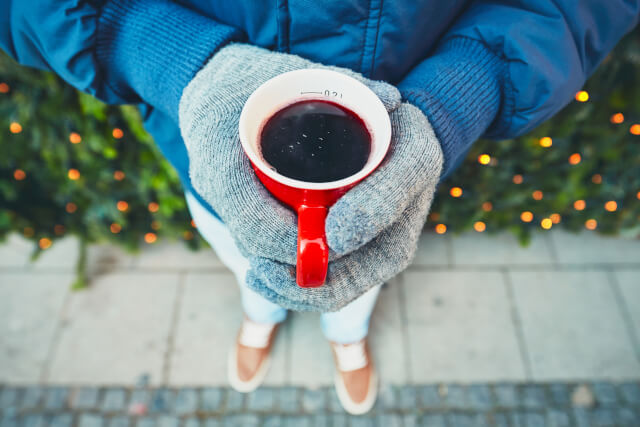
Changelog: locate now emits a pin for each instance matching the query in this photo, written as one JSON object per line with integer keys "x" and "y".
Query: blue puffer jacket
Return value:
{"x": 495, "y": 68}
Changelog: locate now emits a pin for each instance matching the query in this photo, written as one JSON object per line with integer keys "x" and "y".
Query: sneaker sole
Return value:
{"x": 349, "y": 405}
{"x": 245, "y": 386}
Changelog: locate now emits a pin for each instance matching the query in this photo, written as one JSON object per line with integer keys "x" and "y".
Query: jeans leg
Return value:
{"x": 351, "y": 323}
{"x": 256, "y": 307}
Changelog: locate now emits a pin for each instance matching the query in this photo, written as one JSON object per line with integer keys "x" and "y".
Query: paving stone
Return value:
{"x": 559, "y": 394}
{"x": 61, "y": 256}
{"x": 30, "y": 304}
{"x": 479, "y": 397}
{"x": 433, "y": 420}
{"x": 603, "y": 417}
{"x": 172, "y": 256}
{"x": 410, "y": 420}
{"x": 499, "y": 420}
{"x": 407, "y": 398}
{"x": 589, "y": 338}
{"x": 500, "y": 249}
{"x": 132, "y": 310}
{"x": 192, "y": 422}
{"x": 581, "y": 417}
{"x": 455, "y": 397}
{"x": 211, "y": 399}
{"x": 168, "y": 421}
{"x": 32, "y": 397}
{"x": 429, "y": 397}
{"x": 388, "y": 420}
{"x": 464, "y": 420}
{"x": 241, "y": 421}
{"x": 311, "y": 359}
{"x": 460, "y": 327}
{"x": 90, "y": 420}
{"x": 433, "y": 249}
{"x": 235, "y": 401}
{"x": 557, "y": 418}
{"x": 339, "y": 420}
{"x": 140, "y": 398}
{"x": 314, "y": 400}
{"x": 506, "y": 395}
{"x": 533, "y": 397}
{"x": 605, "y": 394}
{"x": 299, "y": 421}
{"x": 56, "y": 398}
{"x": 630, "y": 393}
{"x": 320, "y": 420}
{"x": 64, "y": 420}
{"x": 161, "y": 401}
{"x": 273, "y": 421}
{"x": 186, "y": 401}
{"x": 288, "y": 399}
{"x": 34, "y": 420}
{"x": 8, "y": 397}
{"x": 387, "y": 397}
{"x": 119, "y": 421}
{"x": 213, "y": 422}
{"x": 262, "y": 400}
{"x": 630, "y": 292}
{"x": 146, "y": 422}
{"x": 9, "y": 419}
{"x": 627, "y": 417}
{"x": 587, "y": 248}
{"x": 114, "y": 400}
{"x": 387, "y": 346}
{"x": 15, "y": 251}
{"x": 84, "y": 398}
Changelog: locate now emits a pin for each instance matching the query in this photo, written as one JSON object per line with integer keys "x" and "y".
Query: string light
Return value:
{"x": 118, "y": 175}
{"x": 517, "y": 179}
{"x": 28, "y": 232}
{"x": 441, "y": 228}
{"x": 479, "y": 226}
{"x": 150, "y": 238}
{"x": 74, "y": 174}
{"x": 15, "y": 127}
{"x": 546, "y": 223}
{"x": 193, "y": 224}
{"x": 4, "y": 88}
{"x": 44, "y": 243}
{"x": 75, "y": 138}
{"x": 455, "y": 192}
{"x": 638, "y": 195}
{"x": 546, "y": 142}
{"x": 59, "y": 229}
{"x": 19, "y": 175}
{"x": 487, "y": 206}
{"x": 617, "y": 118}
{"x": 591, "y": 224}
{"x": 596, "y": 179}
{"x": 537, "y": 195}
{"x": 484, "y": 159}
{"x": 71, "y": 207}
{"x": 579, "y": 205}
{"x": 635, "y": 129}
{"x": 575, "y": 158}
{"x": 122, "y": 206}
{"x": 526, "y": 216}
{"x": 555, "y": 218}
{"x": 117, "y": 133}
{"x": 611, "y": 206}
{"x": 115, "y": 228}
{"x": 153, "y": 207}
{"x": 155, "y": 225}
{"x": 582, "y": 96}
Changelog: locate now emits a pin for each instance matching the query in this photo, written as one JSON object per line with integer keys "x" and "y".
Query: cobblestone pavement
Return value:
{"x": 502, "y": 404}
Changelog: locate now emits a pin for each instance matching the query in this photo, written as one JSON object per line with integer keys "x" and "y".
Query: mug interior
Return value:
{"x": 314, "y": 84}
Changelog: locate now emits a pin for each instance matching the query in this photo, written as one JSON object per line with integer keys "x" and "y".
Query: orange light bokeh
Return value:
{"x": 484, "y": 159}
{"x": 19, "y": 175}
{"x": 617, "y": 118}
{"x": 575, "y": 158}
{"x": 582, "y": 96}
{"x": 115, "y": 228}
{"x": 517, "y": 179}
{"x": 75, "y": 138}
{"x": 455, "y": 192}
{"x": 71, "y": 207}
{"x": 611, "y": 206}
{"x": 117, "y": 133}
{"x": 15, "y": 127}
{"x": 487, "y": 206}
{"x": 44, "y": 243}
{"x": 441, "y": 228}
{"x": 635, "y": 129}
{"x": 479, "y": 226}
{"x": 4, "y": 88}
{"x": 591, "y": 224}
{"x": 596, "y": 179}
{"x": 118, "y": 175}
{"x": 526, "y": 216}
{"x": 537, "y": 195}
{"x": 73, "y": 174}
{"x": 153, "y": 207}
{"x": 546, "y": 223}
{"x": 555, "y": 218}
{"x": 546, "y": 142}
{"x": 122, "y": 206}
{"x": 150, "y": 238}
{"x": 579, "y": 205}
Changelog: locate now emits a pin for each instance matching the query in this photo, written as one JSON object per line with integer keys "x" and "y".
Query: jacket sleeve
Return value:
{"x": 506, "y": 66}
{"x": 121, "y": 51}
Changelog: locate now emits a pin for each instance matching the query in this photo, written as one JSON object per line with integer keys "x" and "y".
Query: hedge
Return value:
{"x": 71, "y": 165}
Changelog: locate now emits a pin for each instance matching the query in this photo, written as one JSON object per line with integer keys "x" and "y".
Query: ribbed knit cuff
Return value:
{"x": 151, "y": 49}
{"x": 459, "y": 89}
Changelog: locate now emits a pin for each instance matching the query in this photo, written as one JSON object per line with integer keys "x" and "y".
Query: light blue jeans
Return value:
{"x": 348, "y": 325}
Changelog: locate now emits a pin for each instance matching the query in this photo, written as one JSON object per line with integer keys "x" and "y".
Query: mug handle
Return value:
{"x": 313, "y": 251}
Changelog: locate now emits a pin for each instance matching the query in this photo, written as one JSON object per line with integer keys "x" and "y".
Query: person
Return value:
{"x": 447, "y": 72}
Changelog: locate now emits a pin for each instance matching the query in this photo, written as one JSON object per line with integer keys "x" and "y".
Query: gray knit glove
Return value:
{"x": 220, "y": 171}
{"x": 376, "y": 224}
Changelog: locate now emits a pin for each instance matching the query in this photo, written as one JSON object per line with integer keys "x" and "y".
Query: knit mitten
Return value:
{"x": 209, "y": 113}
{"x": 375, "y": 225}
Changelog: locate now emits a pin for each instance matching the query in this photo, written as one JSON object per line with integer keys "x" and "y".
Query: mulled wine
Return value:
{"x": 315, "y": 141}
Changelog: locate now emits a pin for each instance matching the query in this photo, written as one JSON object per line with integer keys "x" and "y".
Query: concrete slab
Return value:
{"x": 15, "y": 251}
{"x": 629, "y": 283}
{"x": 62, "y": 255}
{"x": 590, "y": 248}
{"x": 460, "y": 327}
{"x": 116, "y": 331}
{"x": 311, "y": 359}
{"x": 209, "y": 317}
{"x": 572, "y": 326}
{"x": 500, "y": 249}
{"x": 175, "y": 255}
{"x": 30, "y": 307}
{"x": 433, "y": 249}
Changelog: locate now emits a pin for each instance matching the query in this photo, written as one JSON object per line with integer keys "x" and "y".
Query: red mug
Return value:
{"x": 311, "y": 200}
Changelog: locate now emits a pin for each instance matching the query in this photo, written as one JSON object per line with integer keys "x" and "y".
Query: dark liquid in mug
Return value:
{"x": 315, "y": 141}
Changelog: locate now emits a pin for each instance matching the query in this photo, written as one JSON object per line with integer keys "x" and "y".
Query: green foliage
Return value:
{"x": 40, "y": 205}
